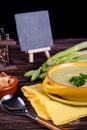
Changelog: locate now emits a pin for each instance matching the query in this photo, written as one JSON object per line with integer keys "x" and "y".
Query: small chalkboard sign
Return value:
{"x": 34, "y": 30}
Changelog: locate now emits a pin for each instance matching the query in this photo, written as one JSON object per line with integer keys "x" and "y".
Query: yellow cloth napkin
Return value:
{"x": 49, "y": 109}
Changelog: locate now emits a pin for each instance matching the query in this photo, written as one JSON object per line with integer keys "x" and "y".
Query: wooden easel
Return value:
{"x": 31, "y": 53}
{"x": 34, "y": 33}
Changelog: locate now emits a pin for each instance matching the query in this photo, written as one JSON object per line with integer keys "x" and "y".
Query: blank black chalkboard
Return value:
{"x": 33, "y": 30}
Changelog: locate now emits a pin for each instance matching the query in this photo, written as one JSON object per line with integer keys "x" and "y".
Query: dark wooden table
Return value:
{"x": 20, "y": 59}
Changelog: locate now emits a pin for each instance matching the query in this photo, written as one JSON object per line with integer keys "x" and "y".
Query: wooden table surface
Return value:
{"x": 20, "y": 59}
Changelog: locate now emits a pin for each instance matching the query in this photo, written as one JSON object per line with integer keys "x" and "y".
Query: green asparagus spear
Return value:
{"x": 29, "y": 73}
{"x": 36, "y": 74}
{"x": 42, "y": 75}
{"x": 71, "y": 54}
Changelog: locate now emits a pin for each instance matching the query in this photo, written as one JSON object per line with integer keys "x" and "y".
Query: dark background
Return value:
{"x": 68, "y": 20}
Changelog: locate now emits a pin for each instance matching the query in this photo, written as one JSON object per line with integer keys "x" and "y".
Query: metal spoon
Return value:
{"x": 16, "y": 106}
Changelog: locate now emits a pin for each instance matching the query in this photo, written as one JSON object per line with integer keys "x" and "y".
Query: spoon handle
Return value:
{"x": 44, "y": 122}
{"x": 49, "y": 125}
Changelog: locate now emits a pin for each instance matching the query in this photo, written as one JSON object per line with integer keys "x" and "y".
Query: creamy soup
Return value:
{"x": 63, "y": 75}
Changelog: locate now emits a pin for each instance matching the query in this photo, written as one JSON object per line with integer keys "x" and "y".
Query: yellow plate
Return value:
{"x": 62, "y": 100}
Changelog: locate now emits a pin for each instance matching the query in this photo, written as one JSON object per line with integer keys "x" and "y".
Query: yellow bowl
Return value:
{"x": 66, "y": 91}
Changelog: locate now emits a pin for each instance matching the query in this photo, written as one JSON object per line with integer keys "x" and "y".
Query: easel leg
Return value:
{"x": 31, "y": 58}
{"x": 47, "y": 54}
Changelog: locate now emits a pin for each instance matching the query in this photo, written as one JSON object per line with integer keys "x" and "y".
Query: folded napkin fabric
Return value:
{"x": 49, "y": 109}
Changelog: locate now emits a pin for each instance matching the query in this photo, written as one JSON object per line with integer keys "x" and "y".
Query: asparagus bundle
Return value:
{"x": 72, "y": 54}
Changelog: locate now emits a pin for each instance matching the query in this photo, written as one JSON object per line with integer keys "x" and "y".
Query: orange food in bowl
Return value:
{"x": 8, "y": 84}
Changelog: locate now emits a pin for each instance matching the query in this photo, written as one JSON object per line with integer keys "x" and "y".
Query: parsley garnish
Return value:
{"x": 78, "y": 80}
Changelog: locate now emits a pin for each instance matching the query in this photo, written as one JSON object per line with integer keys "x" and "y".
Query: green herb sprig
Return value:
{"x": 79, "y": 80}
